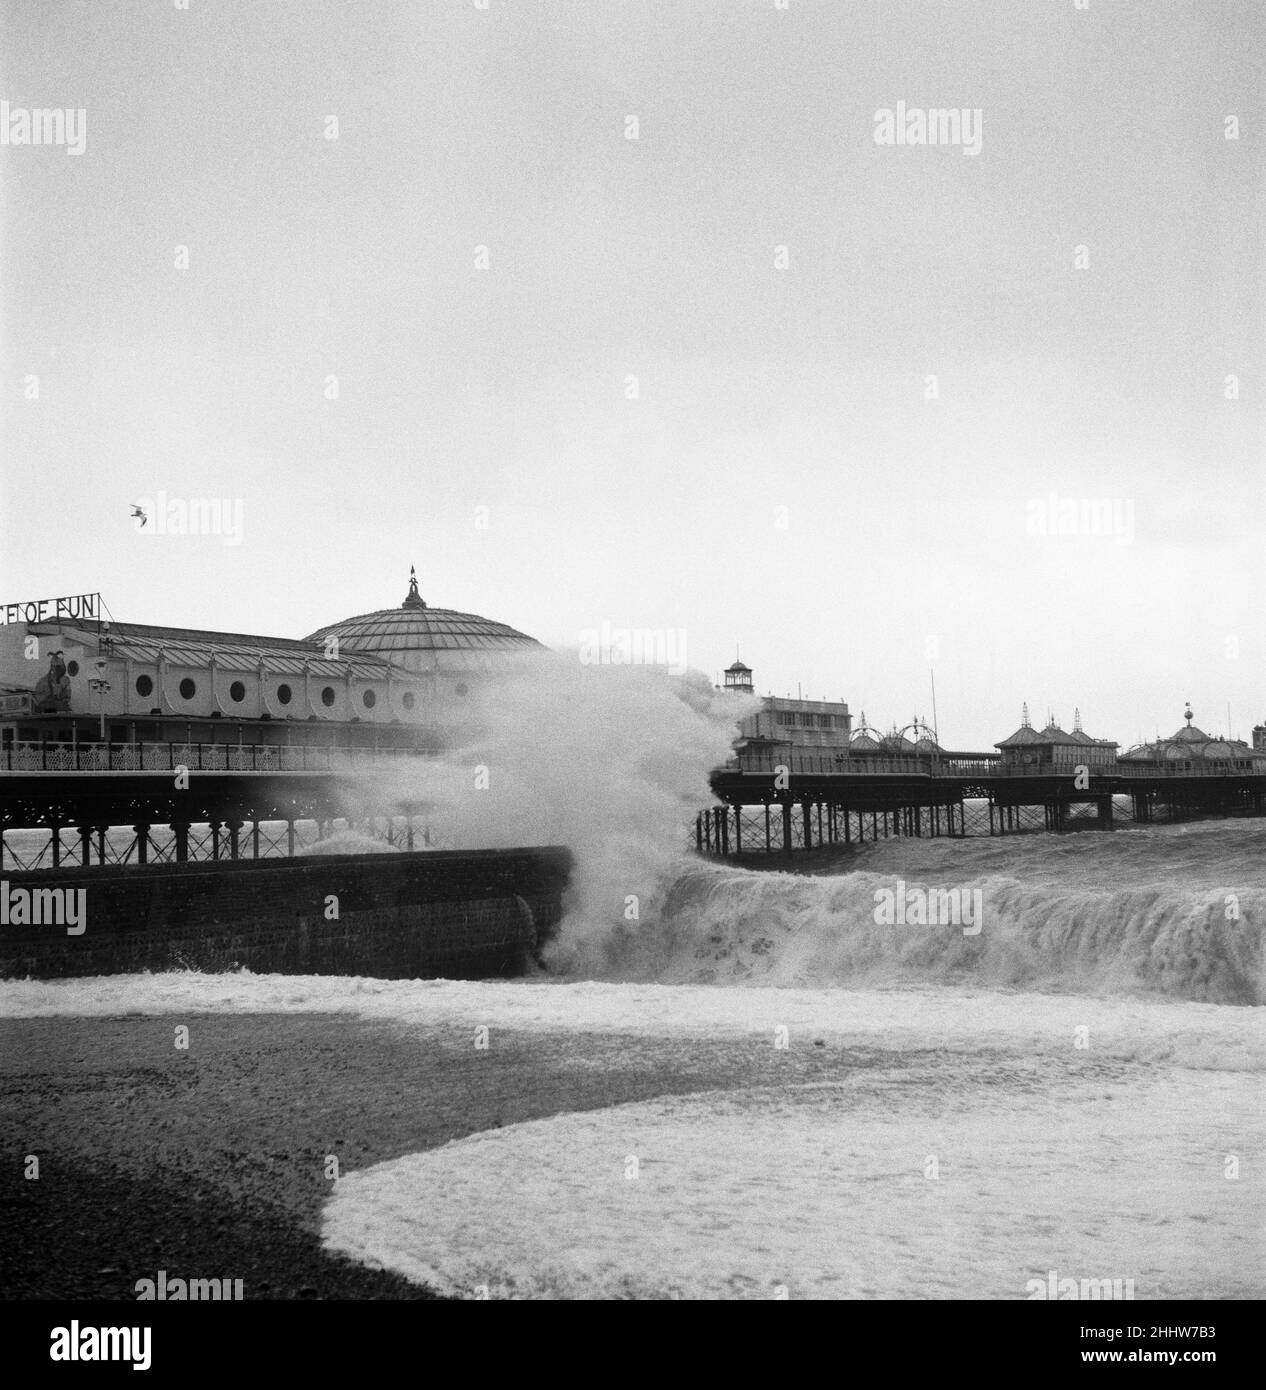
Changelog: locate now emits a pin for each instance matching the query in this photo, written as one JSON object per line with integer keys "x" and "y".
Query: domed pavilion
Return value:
{"x": 1191, "y": 749}
{"x": 438, "y": 642}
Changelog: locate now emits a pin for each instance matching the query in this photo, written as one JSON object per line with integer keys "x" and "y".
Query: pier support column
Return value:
{"x": 738, "y": 830}
{"x": 806, "y": 816}
{"x": 235, "y": 827}
{"x": 290, "y": 838}
{"x": 180, "y": 830}
{"x": 142, "y": 843}
{"x": 848, "y": 834}
{"x": 409, "y": 833}
{"x": 216, "y": 827}
{"x": 57, "y": 845}
{"x": 767, "y": 834}
{"x": 254, "y": 839}
{"x": 85, "y": 844}
{"x": 786, "y": 827}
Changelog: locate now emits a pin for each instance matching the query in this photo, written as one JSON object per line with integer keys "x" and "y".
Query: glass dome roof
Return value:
{"x": 428, "y": 639}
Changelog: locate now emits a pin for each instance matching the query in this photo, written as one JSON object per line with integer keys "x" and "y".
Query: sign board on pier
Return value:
{"x": 40, "y": 610}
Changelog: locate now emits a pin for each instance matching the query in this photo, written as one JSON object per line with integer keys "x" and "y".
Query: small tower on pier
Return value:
{"x": 738, "y": 678}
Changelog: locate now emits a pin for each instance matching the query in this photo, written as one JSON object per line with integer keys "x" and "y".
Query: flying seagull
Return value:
{"x": 137, "y": 511}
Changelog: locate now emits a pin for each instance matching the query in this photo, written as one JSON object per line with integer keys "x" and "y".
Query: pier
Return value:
{"x": 86, "y": 804}
{"x": 806, "y": 801}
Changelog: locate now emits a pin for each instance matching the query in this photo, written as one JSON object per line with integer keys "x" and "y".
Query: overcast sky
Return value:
{"x": 781, "y": 479}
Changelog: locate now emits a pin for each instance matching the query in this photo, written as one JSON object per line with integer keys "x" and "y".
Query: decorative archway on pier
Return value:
{"x": 915, "y": 740}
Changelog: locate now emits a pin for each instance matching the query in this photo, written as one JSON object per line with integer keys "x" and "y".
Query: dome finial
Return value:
{"x": 413, "y": 599}
{"x": 1024, "y": 716}
{"x": 1187, "y": 714}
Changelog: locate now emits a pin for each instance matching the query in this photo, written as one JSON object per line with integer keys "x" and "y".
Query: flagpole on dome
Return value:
{"x": 413, "y": 599}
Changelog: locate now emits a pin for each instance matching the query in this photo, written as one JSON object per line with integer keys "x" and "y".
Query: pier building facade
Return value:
{"x": 397, "y": 677}
{"x": 1055, "y": 749}
{"x": 1191, "y": 749}
{"x": 783, "y": 725}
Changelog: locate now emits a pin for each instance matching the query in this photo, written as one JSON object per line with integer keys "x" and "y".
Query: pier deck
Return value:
{"x": 765, "y": 810}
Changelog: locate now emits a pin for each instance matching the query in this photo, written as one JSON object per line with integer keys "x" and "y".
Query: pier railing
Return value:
{"x": 828, "y": 764}
{"x": 197, "y": 757}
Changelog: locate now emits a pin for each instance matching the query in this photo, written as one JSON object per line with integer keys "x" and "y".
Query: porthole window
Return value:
{"x": 283, "y": 694}
{"x": 237, "y": 692}
{"x": 408, "y": 699}
{"x": 187, "y": 689}
{"x": 72, "y": 668}
{"x": 369, "y": 699}
{"x": 144, "y": 686}
{"x": 327, "y": 696}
